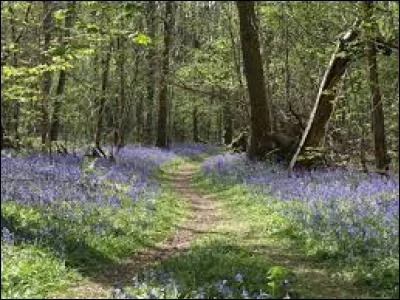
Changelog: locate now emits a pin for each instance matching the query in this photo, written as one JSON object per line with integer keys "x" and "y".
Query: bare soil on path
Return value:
{"x": 206, "y": 216}
{"x": 203, "y": 214}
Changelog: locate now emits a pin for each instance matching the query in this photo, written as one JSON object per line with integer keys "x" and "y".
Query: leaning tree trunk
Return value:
{"x": 55, "y": 123}
{"x": 259, "y": 112}
{"x": 378, "y": 120}
{"x": 162, "y": 140}
{"x": 315, "y": 131}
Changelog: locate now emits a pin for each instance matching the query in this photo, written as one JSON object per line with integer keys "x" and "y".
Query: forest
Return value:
{"x": 200, "y": 149}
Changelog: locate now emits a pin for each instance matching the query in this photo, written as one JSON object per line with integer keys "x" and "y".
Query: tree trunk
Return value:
{"x": 104, "y": 84}
{"x": 235, "y": 49}
{"x": 46, "y": 83}
{"x": 16, "y": 104}
{"x": 139, "y": 118}
{"x": 378, "y": 120}
{"x": 3, "y": 133}
{"x": 228, "y": 126}
{"x": 195, "y": 126}
{"x": 162, "y": 139}
{"x": 324, "y": 104}
{"x": 119, "y": 131}
{"x": 259, "y": 112}
{"x": 151, "y": 27}
{"x": 287, "y": 70}
{"x": 55, "y": 124}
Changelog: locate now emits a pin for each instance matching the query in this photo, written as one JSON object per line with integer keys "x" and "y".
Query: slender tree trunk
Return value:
{"x": 363, "y": 145}
{"x": 287, "y": 70}
{"x": 119, "y": 131}
{"x": 259, "y": 112}
{"x": 2, "y": 135}
{"x": 46, "y": 83}
{"x": 55, "y": 124}
{"x": 162, "y": 139}
{"x": 195, "y": 125}
{"x": 16, "y": 104}
{"x": 170, "y": 132}
{"x": 151, "y": 27}
{"x": 235, "y": 47}
{"x": 378, "y": 120}
{"x": 228, "y": 124}
{"x": 139, "y": 118}
{"x": 102, "y": 102}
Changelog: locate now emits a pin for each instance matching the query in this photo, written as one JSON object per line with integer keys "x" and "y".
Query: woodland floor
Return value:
{"x": 209, "y": 219}
{"x": 203, "y": 215}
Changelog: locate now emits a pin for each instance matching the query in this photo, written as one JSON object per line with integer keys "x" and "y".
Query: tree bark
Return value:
{"x": 104, "y": 84}
{"x": 162, "y": 139}
{"x": 235, "y": 49}
{"x": 55, "y": 123}
{"x": 228, "y": 124}
{"x": 195, "y": 126}
{"x": 121, "y": 110}
{"x": 378, "y": 120}
{"x": 46, "y": 82}
{"x": 259, "y": 111}
{"x": 16, "y": 104}
{"x": 151, "y": 27}
{"x": 315, "y": 130}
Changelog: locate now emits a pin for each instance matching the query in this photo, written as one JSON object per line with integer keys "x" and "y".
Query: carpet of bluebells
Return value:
{"x": 155, "y": 284}
{"x": 83, "y": 209}
{"x": 47, "y": 179}
{"x": 342, "y": 213}
{"x": 72, "y": 210}
{"x": 192, "y": 150}
{"x": 79, "y": 211}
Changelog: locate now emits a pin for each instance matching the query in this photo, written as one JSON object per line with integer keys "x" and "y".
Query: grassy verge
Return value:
{"x": 257, "y": 223}
{"x": 59, "y": 245}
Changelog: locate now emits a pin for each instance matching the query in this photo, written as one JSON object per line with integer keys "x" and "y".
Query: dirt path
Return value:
{"x": 202, "y": 216}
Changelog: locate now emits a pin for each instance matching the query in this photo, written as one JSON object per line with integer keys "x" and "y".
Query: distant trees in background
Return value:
{"x": 153, "y": 72}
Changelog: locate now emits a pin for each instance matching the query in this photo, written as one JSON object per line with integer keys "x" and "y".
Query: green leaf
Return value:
{"x": 59, "y": 15}
{"x": 141, "y": 39}
{"x": 92, "y": 28}
{"x": 277, "y": 273}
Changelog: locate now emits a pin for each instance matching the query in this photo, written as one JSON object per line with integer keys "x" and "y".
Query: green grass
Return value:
{"x": 83, "y": 241}
{"x": 258, "y": 224}
{"x": 250, "y": 236}
{"x": 253, "y": 238}
{"x": 234, "y": 244}
{"x": 30, "y": 271}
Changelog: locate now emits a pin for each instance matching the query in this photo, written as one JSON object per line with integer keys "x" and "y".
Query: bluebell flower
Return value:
{"x": 239, "y": 277}
{"x": 7, "y": 236}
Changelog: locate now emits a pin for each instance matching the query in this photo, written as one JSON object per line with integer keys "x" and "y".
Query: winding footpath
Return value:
{"x": 205, "y": 216}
